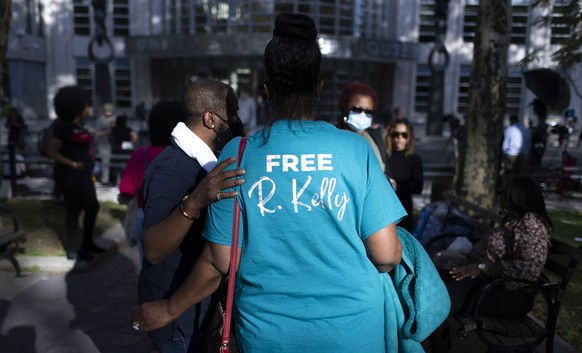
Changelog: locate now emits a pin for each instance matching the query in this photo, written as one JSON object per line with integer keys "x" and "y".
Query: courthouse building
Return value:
{"x": 160, "y": 46}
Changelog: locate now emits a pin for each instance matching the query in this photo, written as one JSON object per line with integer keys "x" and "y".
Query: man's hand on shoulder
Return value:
{"x": 210, "y": 188}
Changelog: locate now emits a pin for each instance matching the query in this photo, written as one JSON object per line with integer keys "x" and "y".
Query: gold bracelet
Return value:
{"x": 183, "y": 210}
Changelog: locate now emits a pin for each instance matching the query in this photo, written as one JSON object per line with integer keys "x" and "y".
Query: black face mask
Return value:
{"x": 222, "y": 139}
{"x": 234, "y": 124}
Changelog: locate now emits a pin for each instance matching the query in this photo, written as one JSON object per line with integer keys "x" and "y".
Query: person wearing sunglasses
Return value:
{"x": 358, "y": 103}
{"x": 405, "y": 165}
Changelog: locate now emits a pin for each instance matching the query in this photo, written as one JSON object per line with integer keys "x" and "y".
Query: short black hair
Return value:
{"x": 70, "y": 102}
{"x": 162, "y": 118}
{"x": 204, "y": 95}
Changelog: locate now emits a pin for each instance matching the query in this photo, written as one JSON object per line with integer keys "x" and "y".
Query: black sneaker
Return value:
{"x": 94, "y": 249}
{"x": 80, "y": 256}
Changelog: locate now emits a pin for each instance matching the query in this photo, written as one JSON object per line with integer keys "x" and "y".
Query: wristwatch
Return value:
{"x": 481, "y": 267}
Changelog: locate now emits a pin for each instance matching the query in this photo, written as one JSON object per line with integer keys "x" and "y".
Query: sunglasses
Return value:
{"x": 359, "y": 110}
{"x": 395, "y": 134}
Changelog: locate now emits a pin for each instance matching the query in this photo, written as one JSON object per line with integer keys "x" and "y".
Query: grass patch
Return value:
{"x": 44, "y": 223}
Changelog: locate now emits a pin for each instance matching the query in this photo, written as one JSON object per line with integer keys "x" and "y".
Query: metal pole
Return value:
{"x": 102, "y": 53}
{"x": 438, "y": 60}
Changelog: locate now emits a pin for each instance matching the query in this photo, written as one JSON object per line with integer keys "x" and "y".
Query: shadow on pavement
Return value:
{"x": 23, "y": 337}
{"x": 102, "y": 298}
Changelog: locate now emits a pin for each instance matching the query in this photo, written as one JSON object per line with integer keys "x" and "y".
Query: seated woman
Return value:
{"x": 517, "y": 249}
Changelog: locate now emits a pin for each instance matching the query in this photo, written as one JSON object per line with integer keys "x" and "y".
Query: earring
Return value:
{"x": 212, "y": 126}
{"x": 345, "y": 118}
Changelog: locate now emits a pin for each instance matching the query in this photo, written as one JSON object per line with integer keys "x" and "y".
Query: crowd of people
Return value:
{"x": 318, "y": 218}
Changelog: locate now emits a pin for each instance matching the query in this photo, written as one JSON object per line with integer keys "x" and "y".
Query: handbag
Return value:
{"x": 218, "y": 336}
{"x": 422, "y": 292}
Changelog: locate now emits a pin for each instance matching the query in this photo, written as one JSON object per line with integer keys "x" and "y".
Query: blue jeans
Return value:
{"x": 176, "y": 345}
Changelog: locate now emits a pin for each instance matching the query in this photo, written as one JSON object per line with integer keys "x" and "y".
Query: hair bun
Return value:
{"x": 295, "y": 26}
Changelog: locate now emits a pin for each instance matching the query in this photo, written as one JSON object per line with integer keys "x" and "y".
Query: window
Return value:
{"x": 334, "y": 17}
{"x": 220, "y": 11}
{"x": 345, "y": 18}
{"x": 84, "y": 73}
{"x": 470, "y": 23}
{"x": 121, "y": 79}
{"x": 464, "y": 83}
{"x": 184, "y": 12}
{"x": 422, "y": 90}
{"x": 120, "y": 18}
{"x": 262, "y": 17}
{"x": 32, "y": 19}
{"x": 512, "y": 92}
{"x": 561, "y": 21}
{"x": 520, "y": 17}
{"x": 374, "y": 19}
{"x": 201, "y": 18}
{"x": 122, "y": 83}
{"x": 39, "y": 20}
{"x": 81, "y": 17}
{"x": 427, "y": 30}
{"x": 327, "y": 17}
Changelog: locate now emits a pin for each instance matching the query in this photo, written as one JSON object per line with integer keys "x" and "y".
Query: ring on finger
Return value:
{"x": 218, "y": 196}
{"x": 135, "y": 326}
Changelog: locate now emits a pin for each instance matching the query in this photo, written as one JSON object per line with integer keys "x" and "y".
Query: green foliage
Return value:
{"x": 570, "y": 52}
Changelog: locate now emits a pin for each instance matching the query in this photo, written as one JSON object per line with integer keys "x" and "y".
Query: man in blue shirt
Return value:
{"x": 177, "y": 187}
{"x": 516, "y": 144}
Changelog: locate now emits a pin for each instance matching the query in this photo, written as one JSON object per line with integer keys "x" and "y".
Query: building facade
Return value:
{"x": 159, "y": 46}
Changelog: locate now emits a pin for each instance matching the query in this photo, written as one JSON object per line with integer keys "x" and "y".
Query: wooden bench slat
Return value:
{"x": 10, "y": 237}
{"x": 523, "y": 327}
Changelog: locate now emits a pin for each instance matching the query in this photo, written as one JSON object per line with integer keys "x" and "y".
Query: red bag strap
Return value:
{"x": 224, "y": 348}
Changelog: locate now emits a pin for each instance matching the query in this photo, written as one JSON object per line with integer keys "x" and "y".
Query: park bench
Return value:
{"x": 526, "y": 332}
{"x": 481, "y": 222}
{"x": 10, "y": 237}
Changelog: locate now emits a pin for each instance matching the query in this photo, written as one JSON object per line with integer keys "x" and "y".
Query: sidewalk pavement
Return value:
{"x": 86, "y": 311}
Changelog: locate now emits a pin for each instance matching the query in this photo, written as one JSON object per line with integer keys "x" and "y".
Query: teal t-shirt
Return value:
{"x": 312, "y": 194}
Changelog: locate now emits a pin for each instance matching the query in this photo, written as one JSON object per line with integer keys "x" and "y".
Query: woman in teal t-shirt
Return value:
{"x": 317, "y": 222}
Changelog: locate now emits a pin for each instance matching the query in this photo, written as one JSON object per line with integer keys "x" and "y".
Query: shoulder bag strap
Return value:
{"x": 224, "y": 347}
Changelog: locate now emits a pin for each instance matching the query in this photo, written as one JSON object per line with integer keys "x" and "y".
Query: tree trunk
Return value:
{"x": 5, "y": 18}
{"x": 478, "y": 165}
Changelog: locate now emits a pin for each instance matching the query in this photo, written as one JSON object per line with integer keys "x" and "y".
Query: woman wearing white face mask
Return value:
{"x": 358, "y": 103}
{"x": 406, "y": 166}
